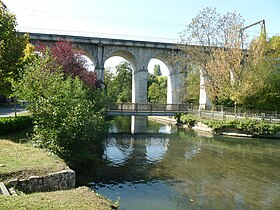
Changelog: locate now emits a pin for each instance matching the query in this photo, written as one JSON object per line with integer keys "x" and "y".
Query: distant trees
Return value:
{"x": 119, "y": 87}
{"x": 157, "y": 86}
{"x": 12, "y": 45}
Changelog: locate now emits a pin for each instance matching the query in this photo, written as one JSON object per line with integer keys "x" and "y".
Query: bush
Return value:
{"x": 188, "y": 119}
{"x": 68, "y": 118}
{"x": 11, "y": 124}
{"x": 247, "y": 125}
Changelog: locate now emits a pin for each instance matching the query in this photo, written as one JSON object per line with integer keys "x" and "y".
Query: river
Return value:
{"x": 169, "y": 168}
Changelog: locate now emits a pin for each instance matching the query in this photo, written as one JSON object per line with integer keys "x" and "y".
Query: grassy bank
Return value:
{"x": 79, "y": 198}
{"x": 23, "y": 160}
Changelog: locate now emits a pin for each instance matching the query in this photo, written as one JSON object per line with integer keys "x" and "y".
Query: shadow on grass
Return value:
{"x": 20, "y": 136}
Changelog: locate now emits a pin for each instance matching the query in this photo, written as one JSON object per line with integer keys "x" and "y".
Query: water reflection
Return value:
{"x": 117, "y": 153}
{"x": 191, "y": 152}
{"x": 182, "y": 170}
{"x": 156, "y": 149}
{"x": 139, "y": 124}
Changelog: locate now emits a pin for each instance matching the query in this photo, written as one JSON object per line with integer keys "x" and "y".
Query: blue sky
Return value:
{"x": 162, "y": 19}
{"x": 149, "y": 18}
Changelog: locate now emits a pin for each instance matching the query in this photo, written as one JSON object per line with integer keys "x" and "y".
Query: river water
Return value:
{"x": 170, "y": 168}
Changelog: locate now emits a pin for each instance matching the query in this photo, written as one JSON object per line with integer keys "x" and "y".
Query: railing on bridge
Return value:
{"x": 146, "y": 109}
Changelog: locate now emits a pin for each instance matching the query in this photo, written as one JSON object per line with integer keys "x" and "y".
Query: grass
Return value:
{"x": 79, "y": 198}
{"x": 23, "y": 160}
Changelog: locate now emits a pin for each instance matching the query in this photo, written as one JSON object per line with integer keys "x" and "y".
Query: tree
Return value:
{"x": 259, "y": 86}
{"x": 72, "y": 62}
{"x": 12, "y": 45}
{"x": 212, "y": 42}
{"x": 119, "y": 87}
{"x": 67, "y": 115}
{"x": 157, "y": 92}
{"x": 193, "y": 86}
{"x": 157, "y": 71}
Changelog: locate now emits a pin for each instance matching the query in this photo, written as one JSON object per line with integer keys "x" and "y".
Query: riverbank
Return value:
{"x": 238, "y": 128}
{"x": 32, "y": 169}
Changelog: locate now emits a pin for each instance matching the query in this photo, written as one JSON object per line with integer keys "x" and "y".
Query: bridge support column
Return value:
{"x": 204, "y": 101}
{"x": 139, "y": 86}
{"x": 175, "y": 88}
{"x": 100, "y": 73}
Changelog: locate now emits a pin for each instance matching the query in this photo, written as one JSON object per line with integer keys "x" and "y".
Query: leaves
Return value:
{"x": 12, "y": 45}
{"x": 68, "y": 118}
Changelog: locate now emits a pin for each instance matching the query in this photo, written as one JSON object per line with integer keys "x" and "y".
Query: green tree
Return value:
{"x": 157, "y": 71}
{"x": 193, "y": 86}
{"x": 12, "y": 45}
{"x": 67, "y": 115}
{"x": 259, "y": 86}
{"x": 157, "y": 92}
{"x": 119, "y": 86}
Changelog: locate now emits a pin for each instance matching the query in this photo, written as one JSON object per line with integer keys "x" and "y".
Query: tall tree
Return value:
{"x": 259, "y": 86}
{"x": 212, "y": 42}
{"x": 12, "y": 45}
{"x": 157, "y": 71}
{"x": 119, "y": 86}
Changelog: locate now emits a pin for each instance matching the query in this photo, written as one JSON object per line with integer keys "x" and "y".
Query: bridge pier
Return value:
{"x": 204, "y": 100}
{"x": 139, "y": 86}
{"x": 175, "y": 88}
{"x": 100, "y": 73}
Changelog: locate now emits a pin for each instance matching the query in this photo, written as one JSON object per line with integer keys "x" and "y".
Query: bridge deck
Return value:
{"x": 146, "y": 109}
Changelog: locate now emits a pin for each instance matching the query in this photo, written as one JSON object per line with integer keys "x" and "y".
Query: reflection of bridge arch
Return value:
{"x": 118, "y": 152}
{"x": 156, "y": 149}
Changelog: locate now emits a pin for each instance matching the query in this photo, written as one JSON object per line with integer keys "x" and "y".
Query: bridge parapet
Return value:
{"x": 146, "y": 109}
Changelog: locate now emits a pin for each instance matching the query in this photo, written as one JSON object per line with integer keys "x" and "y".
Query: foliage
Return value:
{"x": 212, "y": 42}
{"x": 217, "y": 51}
{"x": 12, "y": 124}
{"x": 66, "y": 114}
{"x": 248, "y": 125}
{"x": 157, "y": 71}
{"x": 193, "y": 86}
{"x": 12, "y": 45}
{"x": 119, "y": 86}
{"x": 188, "y": 119}
{"x": 72, "y": 62}
{"x": 259, "y": 87}
{"x": 257, "y": 127}
{"x": 157, "y": 92}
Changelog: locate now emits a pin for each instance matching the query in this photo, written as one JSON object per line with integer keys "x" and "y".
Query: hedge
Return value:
{"x": 11, "y": 124}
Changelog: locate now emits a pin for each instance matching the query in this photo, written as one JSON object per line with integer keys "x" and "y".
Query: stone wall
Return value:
{"x": 62, "y": 180}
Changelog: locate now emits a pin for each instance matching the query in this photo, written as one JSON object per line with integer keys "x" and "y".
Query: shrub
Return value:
{"x": 188, "y": 119}
{"x": 68, "y": 119}
{"x": 11, "y": 124}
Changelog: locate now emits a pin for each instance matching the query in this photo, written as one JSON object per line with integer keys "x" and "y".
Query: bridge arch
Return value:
{"x": 175, "y": 78}
{"x": 130, "y": 57}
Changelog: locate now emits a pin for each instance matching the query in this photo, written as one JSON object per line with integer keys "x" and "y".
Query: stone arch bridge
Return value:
{"x": 138, "y": 53}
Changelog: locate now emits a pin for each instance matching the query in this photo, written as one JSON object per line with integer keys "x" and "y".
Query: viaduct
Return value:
{"x": 138, "y": 54}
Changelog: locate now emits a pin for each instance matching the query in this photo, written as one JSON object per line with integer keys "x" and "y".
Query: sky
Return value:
{"x": 151, "y": 20}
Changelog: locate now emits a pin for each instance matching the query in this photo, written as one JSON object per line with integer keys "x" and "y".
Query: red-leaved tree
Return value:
{"x": 72, "y": 62}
